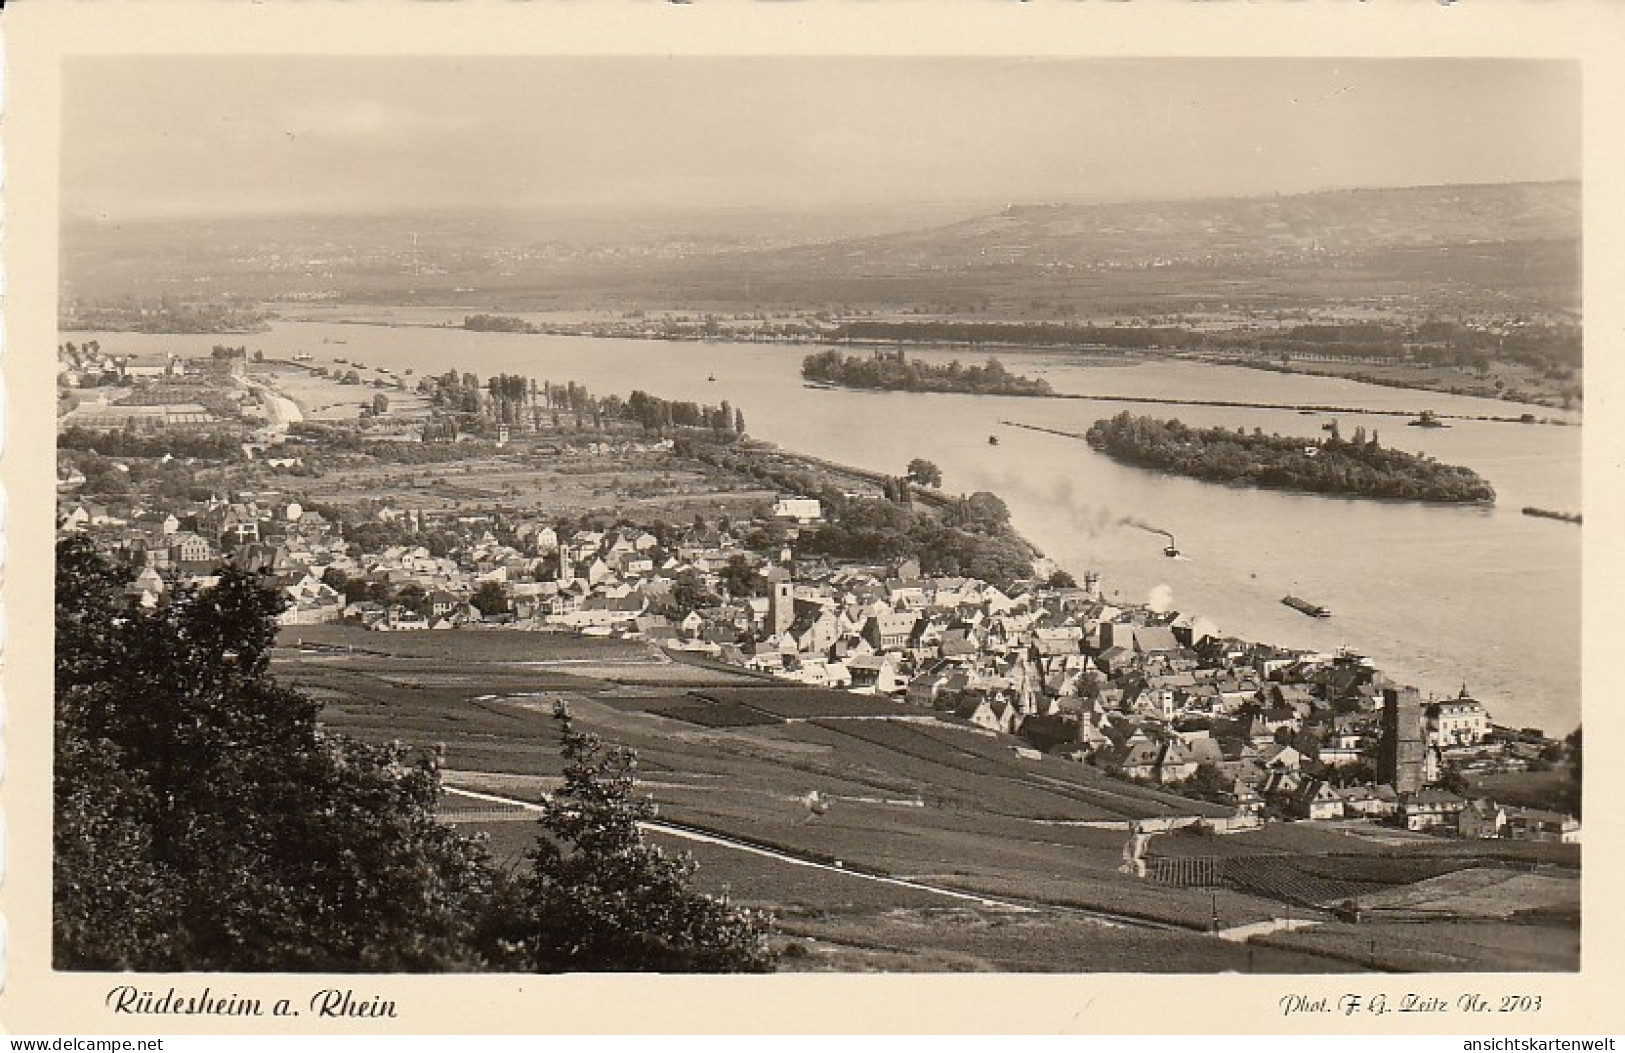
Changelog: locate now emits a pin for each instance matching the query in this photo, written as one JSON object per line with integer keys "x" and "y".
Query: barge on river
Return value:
{"x": 1314, "y": 610}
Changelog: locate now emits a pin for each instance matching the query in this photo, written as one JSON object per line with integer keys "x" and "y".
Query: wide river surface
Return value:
{"x": 1437, "y": 595}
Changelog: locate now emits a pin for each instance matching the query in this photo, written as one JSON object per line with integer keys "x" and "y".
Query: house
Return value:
{"x": 1317, "y": 799}
{"x": 1279, "y": 756}
{"x": 1482, "y": 818}
{"x": 1174, "y": 764}
{"x": 1459, "y": 721}
{"x": 891, "y": 631}
{"x": 1342, "y": 749}
{"x": 992, "y": 715}
{"x": 1134, "y": 760}
{"x": 877, "y": 673}
{"x": 1430, "y": 809}
{"x": 1532, "y": 824}
{"x": 443, "y": 603}
{"x": 159, "y": 522}
{"x": 801, "y": 509}
{"x": 634, "y": 563}
{"x": 147, "y": 588}
{"x": 399, "y": 619}
{"x": 239, "y": 524}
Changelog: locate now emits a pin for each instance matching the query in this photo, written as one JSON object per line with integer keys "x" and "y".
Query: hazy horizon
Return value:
{"x": 298, "y": 136}
{"x": 970, "y": 206}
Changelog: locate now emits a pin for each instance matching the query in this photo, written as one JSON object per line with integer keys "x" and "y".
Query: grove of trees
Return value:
{"x": 898, "y": 373}
{"x": 205, "y": 820}
{"x": 1359, "y": 467}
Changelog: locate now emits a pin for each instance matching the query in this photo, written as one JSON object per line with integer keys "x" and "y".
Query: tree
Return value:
{"x": 1062, "y": 580}
{"x": 924, "y": 473}
{"x": 600, "y": 898}
{"x": 741, "y": 579}
{"x": 380, "y": 404}
{"x": 413, "y": 598}
{"x": 489, "y": 599}
{"x": 1207, "y": 783}
{"x": 689, "y": 593}
{"x": 186, "y": 775}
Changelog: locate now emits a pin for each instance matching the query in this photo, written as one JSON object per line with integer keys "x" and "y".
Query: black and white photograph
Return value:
{"x": 683, "y": 513}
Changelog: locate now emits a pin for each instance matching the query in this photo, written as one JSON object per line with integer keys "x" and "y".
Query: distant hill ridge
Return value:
{"x": 1126, "y": 233}
{"x": 1510, "y": 247}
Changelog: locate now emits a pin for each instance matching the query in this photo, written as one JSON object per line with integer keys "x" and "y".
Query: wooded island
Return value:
{"x": 893, "y": 371}
{"x": 1358, "y": 466}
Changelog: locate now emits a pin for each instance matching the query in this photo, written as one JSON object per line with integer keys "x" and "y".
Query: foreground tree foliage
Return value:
{"x": 205, "y": 821}
{"x": 601, "y": 897}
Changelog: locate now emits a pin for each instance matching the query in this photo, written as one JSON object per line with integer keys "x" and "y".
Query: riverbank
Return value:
{"x": 1244, "y": 545}
{"x": 1515, "y": 380}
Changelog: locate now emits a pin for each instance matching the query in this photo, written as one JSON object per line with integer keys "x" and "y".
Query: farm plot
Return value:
{"x": 1076, "y": 780}
{"x": 944, "y": 776}
{"x": 1121, "y": 894}
{"x": 1439, "y": 946}
{"x": 1187, "y": 871}
{"x": 1283, "y": 878}
{"x": 754, "y": 880}
{"x": 1484, "y": 892}
{"x": 715, "y": 715}
{"x": 1380, "y": 870}
{"x": 801, "y": 703}
{"x": 1018, "y": 783}
{"x": 465, "y": 648}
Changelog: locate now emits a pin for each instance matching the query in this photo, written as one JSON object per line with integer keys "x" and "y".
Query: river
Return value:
{"x": 1437, "y": 595}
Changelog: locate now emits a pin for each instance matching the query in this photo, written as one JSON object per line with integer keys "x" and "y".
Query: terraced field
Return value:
{"x": 909, "y": 796}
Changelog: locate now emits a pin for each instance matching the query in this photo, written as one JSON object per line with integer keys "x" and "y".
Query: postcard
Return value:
{"x": 777, "y": 518}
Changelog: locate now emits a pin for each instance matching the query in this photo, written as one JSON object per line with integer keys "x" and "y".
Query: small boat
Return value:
{"x": 342, "y": 361}
{"x": 992, "y": 440}
{"x": 1426, "y": 419}
{"x": 304, "y": 356}
{"x": 1330, "y": 425}
{"x": 1171, "y": 550}
{"x": 712, "y": 378}
{"x": 1314, "y": 610}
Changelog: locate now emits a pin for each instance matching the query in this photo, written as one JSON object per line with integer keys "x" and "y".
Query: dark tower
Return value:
{"x": 781, "y": 608}
{"x": 1402, "y": 755}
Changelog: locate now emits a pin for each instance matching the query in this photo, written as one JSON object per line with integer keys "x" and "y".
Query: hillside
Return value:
{"x": 1505, "y": 247}
{"x": 1491, "y": 247}
{"x": 1218, "y": 230}
{"x": 941, "y": 848}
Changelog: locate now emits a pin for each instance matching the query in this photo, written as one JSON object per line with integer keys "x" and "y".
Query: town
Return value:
{"x": 176, "y": 466}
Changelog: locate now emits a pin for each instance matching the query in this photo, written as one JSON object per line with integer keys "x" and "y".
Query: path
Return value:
{"x": 689, "y": 833}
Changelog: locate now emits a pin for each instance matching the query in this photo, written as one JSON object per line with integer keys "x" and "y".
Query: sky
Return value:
{"x": 176, "y": 137}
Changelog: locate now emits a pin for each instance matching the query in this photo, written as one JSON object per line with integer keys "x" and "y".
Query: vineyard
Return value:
{"x": 801, "y": 703}
{"x": 1298, "y": 880}
{"x": 715, "y": 715}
